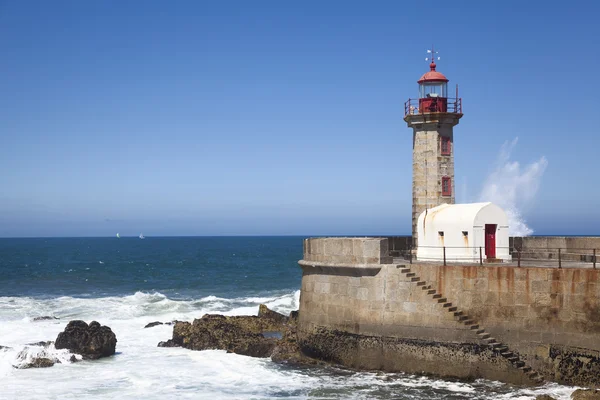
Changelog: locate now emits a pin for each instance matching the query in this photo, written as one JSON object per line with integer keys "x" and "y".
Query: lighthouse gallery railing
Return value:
{"x": 449, "y": 105}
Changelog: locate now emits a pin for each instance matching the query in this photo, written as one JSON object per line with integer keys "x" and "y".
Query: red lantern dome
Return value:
{"x": 432, "y": 75}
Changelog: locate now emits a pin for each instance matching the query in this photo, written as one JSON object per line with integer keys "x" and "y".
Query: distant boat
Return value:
{"x": 118, "y": 236}
{"x": 142, "y": 236}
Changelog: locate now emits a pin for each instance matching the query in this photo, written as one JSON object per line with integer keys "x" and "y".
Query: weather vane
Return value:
{"x": 432, "y": 58}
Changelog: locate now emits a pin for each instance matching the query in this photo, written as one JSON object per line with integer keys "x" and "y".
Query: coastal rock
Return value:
{"x": 239, "y": 335}
{"x": 544, "y": 397}
{"x": 92, "y": 341}
{"x": 42, "y": 343}
{"x": 586, "y": 394}
{"x": 34, "y": 359}
{"x": 44, "y": 318}
{"x": 268, "y": 334}
{"x": 4, "y": 347}
{"x": 40, "y": 362}
{"x": 275, "y": 317}
{"x": 151, "y": 324}
{"x": 168, "y": 343}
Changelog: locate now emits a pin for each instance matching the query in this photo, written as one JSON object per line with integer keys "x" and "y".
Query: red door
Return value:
{"x": 490, "y": 241}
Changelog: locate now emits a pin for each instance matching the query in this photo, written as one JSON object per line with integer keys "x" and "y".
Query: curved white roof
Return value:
{"x": 469, "y": 214}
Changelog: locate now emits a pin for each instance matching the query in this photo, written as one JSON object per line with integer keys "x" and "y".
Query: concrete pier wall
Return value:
{"x": 369, "y": 314}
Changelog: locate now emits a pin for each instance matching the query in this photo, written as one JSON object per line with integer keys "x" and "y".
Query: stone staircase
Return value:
{"x": 461, "y": 317}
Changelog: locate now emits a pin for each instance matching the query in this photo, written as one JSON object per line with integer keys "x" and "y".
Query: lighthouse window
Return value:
{"x": 445, "y": 145}
{"x": 433, "y": 89}
{"x": 446, "y": 186}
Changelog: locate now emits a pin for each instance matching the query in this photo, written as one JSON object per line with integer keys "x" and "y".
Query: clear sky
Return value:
{"x": 280, "y": 117}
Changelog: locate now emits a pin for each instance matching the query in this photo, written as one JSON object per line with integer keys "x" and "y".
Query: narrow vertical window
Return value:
{"x": 445, "y": 145}
{"x": 446, "y": 186}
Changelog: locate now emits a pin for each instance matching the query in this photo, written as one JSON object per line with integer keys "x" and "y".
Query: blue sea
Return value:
{"x": 126, "y": 283}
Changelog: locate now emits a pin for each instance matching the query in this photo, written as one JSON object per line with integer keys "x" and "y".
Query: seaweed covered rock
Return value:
{"x": 240, "y": 335}
{"x": 92, "y": 341}
{"x": 586, "y": 394}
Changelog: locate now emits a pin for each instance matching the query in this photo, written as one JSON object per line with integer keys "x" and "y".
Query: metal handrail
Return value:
{"x": 552, "y": 255}
{"x": 453, "y": 105}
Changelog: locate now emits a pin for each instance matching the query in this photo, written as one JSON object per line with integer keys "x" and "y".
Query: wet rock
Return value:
{"x": 544, "y": 397}
{"x": 151, "y": 324}
{"x": 265, "y": 313}
{"x": 38, "y": 362}
{"x": 240, "y": 335}
{"x": 92, "y": 341}
{"x": 586, "y": 394}
{"x": 39, "y": 359}
{"x": 44, "y": 318}
{"x": 168, "y": 343}
{"x": 4, "y": 347}
{"x": 269, "y": 333}
{"x": 43, "y": 344}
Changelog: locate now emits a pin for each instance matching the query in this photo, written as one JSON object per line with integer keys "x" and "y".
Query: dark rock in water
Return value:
{"x": 92, "y": 341}
{"x": 43, "y": 344}
{"x": 586, "y": 394}
{"x": 544, "y": 397}
{"x": 171, "y": 323}
{"x": 38, "y": 362}
{"x": 151, "y": 324}
{"x": 4, "y": 347}
{"x": 268, "y": 334}
{"x": 41, "y": 359}
{"x": 240, "y": 335}
{"x": 45, "y": 318}
{"x": 168, "y": 343}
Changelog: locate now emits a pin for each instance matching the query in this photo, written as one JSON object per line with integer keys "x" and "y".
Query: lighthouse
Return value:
{"x": 432, "y": 117}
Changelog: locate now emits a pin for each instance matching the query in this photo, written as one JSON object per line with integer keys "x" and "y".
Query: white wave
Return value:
{"x": 514, "y": 189}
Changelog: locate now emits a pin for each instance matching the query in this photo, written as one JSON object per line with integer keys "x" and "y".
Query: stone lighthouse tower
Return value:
{"x": 432, "y": 117}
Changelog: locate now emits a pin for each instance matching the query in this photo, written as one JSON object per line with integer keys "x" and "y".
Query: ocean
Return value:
{"x": 127, "y": 283}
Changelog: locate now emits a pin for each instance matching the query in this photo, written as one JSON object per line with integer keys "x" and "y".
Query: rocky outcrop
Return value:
{"x": 42, "y": 343}
{"x": 38, "y": 362}
{"x": 151, "y": 324}
{"x": 544, "y": 397}
{"x": 585, "y": 394}
{"x": 91, "y": 341}
{"x": 270, "y": 334}
{"x": 240, "y": 335}
{"x": 44, "y": 318}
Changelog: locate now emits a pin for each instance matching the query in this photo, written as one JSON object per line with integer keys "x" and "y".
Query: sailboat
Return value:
{"x": 142, "y": 236}
{"x": 118, "y": 236}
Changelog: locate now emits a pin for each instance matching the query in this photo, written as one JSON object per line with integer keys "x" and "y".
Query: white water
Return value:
{"x": 140, "y": 369}
{"x": 512, "y": 188}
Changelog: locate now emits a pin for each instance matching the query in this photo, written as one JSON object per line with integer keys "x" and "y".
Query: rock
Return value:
{"x": 268, "y": 334}
{"x": 151, "y": 324}
{"x": 240, "y": 335}
{"x": 168, "y": 343}
{"x": 92, "y": 341}
{"x": 43, "y": 344}
{"x": 38, "y": 362}
{"x": 586, "y": 394}
{"x": 264, "y": 312}
{"x": 544, "y": 397}
{"x": 45, "y": 318}
{"x": 4, "y": 347}
{"x": 28, "y": 358}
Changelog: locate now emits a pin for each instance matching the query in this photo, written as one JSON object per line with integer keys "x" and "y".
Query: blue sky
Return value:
{"x": 271, "y": 117}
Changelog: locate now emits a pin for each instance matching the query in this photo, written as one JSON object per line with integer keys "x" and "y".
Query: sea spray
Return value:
{"x": 513, "y": 189}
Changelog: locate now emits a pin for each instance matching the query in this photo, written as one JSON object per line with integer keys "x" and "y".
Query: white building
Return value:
{"x": 463, "y": 230}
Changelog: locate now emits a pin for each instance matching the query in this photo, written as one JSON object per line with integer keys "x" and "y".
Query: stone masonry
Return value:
{"x": 429, "y": 165}
{"x": 378, "y": 315}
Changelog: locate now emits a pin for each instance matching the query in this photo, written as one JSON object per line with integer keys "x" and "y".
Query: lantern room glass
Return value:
{"x": 433, "y": 89}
